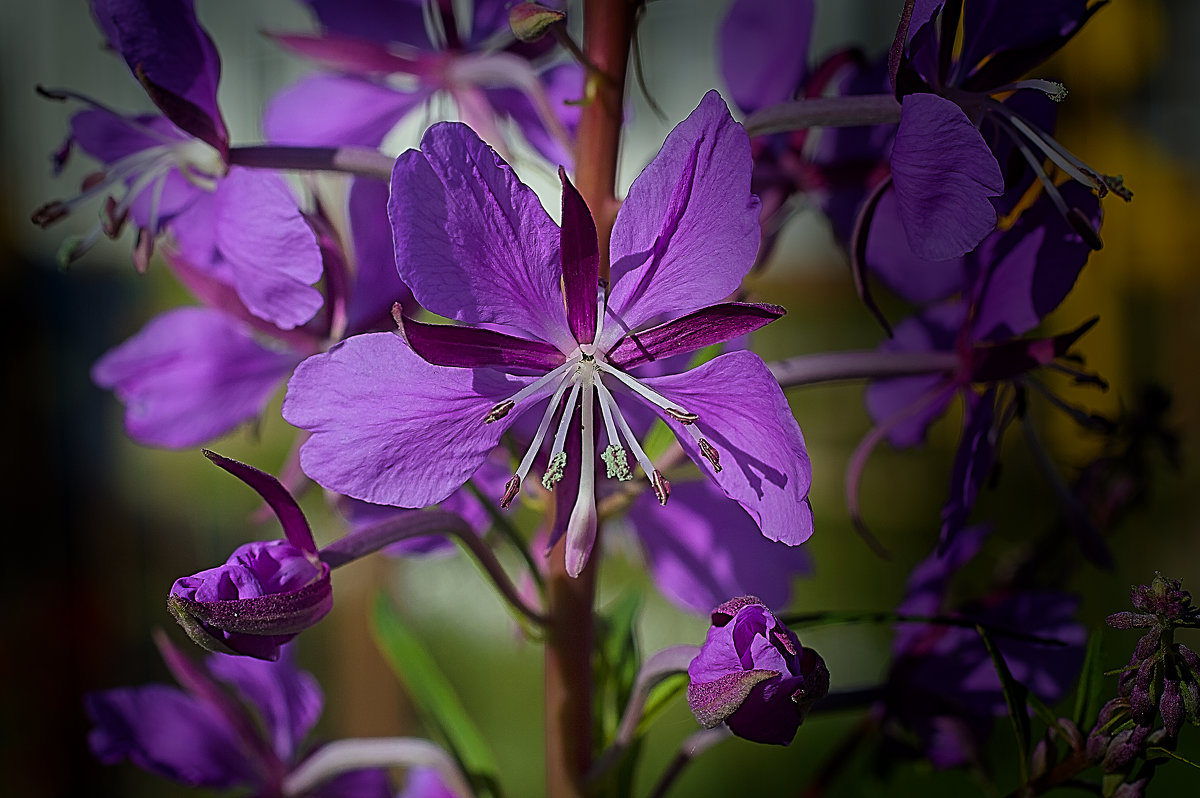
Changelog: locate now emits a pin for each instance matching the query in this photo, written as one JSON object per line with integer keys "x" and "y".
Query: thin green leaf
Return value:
{"x": 660, "y": 698}
{"x": 617, "y": 662}
{"x": 1156, "y": 751}
{"x": 434, "y": 696}
{"x": 1091, "y": 682}
{"x": 810, "y": 619}
{"x": 1015, "y": 697}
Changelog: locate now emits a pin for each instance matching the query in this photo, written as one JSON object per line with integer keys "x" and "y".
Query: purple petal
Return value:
{"x": 173, "y": 57}
{"x": 476, "y": 347}
{"x": 377, "y": 285}
{"x": 335, "y": 110}
{"x": 379, "y": 20}
{"x": 166, "y": 732}
{"x": 688, "y": 232}
{"x": 972, "y": 463}
{"x": 271, "y": 249}
{"x": 1008, "y": 38}
{"x": 425, "y": 783}
{"x": 295, "y": 525}
{"x": 563, "y": 86}
{"x": 389, "y": 428}
{"x": 189, "y": 376}
{"x": 288, "y": 700}
{"x": 109, "y": 138}
{"x": 715, "y": 324}
{"x": 944, "y": 174}
{"x": 764, "y": 50}
{"x": 472, "y": 241}
{"x": 744, "y": 415}
{"x": 702, "y": 548}
{"x": 580, "y": 262}
{"x": 916, "y": 279}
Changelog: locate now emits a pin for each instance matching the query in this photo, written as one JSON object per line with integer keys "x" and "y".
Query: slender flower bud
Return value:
{"x": 530, "y": 21}
{"x": 753, "y": 674}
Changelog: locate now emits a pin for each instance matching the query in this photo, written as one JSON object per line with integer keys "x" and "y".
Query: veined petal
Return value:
{"x": 688, "y": 231}
{"x": 472, "y": 241}
{"x": 336, "y": 110}
{"x": 715, "y": 324}
{"x": 389, "y": 428}
{"x": 944, "y": 175}
{"x": 271, "y": 249}
{"x": 744, "y": 415}
{"x": 289, "y": 700}
{"x": 476, "y": 347}
{"x": 173, "y": 57}
{"x": 191, "y": 375}
{"x": 580, "y": 253}
{"x": 702, "y": 548}
{"x": 764, "y": 50}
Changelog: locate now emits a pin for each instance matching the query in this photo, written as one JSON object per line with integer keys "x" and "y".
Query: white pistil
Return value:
{"x": 558, "y": 454}
{"x": 581, "y": 528}
{"x": 672, "y": 409}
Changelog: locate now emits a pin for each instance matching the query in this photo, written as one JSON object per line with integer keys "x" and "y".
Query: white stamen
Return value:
{"x": 558, "y": 454}
{"x": 650, "y": 394}
{"x": 543, "y": 427}
{"x": 500, "y": 409}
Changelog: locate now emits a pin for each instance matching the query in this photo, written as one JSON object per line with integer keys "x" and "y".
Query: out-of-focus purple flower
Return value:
{"x": 266, "y": 592}
{"x": 955, "y": 139}
{"x": 194, "y": 373}
{"x": 390, "y": 59}
{"x": 238, "y": 723}
{"x": 753, "y": 675}
{"x": 406, "y": 421}
{"x": 1004, "y": 289}
{"x": 425, "y": 783}
{"x": 943, "y": 684}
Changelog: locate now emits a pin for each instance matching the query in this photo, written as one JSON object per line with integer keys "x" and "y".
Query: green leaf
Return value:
{"x": 661, "y": 696}
{"x": 617, "y": 662}
{"x": 1091, "y": 682}
{"x": 434, "y": 696}
{"x": 1016, "y": 696}
{"x": 1156, "y": 751}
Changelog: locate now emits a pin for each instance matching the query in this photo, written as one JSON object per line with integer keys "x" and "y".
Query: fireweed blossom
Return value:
{"x": 238, "y": 724}
{"x": 753, "y": 675}
{"x": 1004, "y": 289}
{"x": 406, "y": 419}
{"x": 390, "y": 60}
{"x": 966, "y": 112}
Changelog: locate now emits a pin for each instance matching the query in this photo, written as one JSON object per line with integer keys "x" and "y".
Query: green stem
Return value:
{"x": 501, "y": 522}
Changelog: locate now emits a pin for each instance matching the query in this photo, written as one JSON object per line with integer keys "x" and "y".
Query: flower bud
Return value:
{"x": 753, "y": 674}
{"x": 1170, "y": 706}
{"x": 530, "y": 21}
{"x": 264, "y": 594}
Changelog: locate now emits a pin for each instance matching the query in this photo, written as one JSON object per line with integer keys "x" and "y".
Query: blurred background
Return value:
{"x": 99, "y": 527}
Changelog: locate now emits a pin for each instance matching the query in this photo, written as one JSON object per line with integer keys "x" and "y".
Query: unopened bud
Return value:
{"x": 530, "y": 21}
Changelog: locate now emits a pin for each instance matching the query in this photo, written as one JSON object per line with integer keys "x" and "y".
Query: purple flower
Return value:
{"x": 238, "y": 723}
{"x": 194, "y": 373}
{"x": 406, "y": 420}
{"x": 1005, "y": 288}
{"x": 753, "y": 675}
{"x": 394, "y": 58}
{"x": 266, "y": 592}
{"x": 955, "y": 138}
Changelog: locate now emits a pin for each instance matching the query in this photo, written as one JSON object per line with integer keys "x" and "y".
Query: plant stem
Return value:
{"x": 856, "y": 365}
{"x": 851, "y": 111}
{"x": 361, "y": 161}
{"x": 608, "y": 26}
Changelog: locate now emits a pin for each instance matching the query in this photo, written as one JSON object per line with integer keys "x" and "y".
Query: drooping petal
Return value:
{"x": 272, "y": 251}
{"x": 291, "y": 518}
{"x": 172, "y": 56}
{"x": 388, "y": 428}
{"x": 288, "y": 700}
{"x": 712, "y": 325}
{"x": 167, "y": 732}
{"x": 745, "y": 417}
{"x": 702, "y": 548}
{"x": 944, "y": 175}
{"x": 189, "y": 376}
{"x": 688, "y": 231}
{"x": 764, "y": 50}
{"x": 336, "y": 110}
{"x": 476, "y": 347}
{"x": 580, "y": 253}
{"x": 472, "y": 241}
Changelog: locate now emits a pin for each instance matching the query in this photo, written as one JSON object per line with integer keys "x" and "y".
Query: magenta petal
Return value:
{"x": 944, "y": 174}
{"x": 190, "y": 375}
{"x": 476, "y": 347}
{"x": 764, "y": 50}
{"x": 580, "y": 253}
{"x": 688, "y": 231}
{"x": 173, "y": 58}
{"x": 334, "y": 110}
{"x": 295, "y": 525}
{"x": 272, "y": 250}
{"x": 388, "y": 428}
{"x": 472, "y": 241}
{"x": 287, "y": 699}
{"x": 889, "y": 256}
{"x": 712, "y": 325}
{"x": 702, "y": 548}
{"x": 745, "y": 417}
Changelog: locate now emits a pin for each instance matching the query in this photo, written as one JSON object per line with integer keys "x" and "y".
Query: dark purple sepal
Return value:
{"x": 715, "y": 324}
{"x": 474, "y": 347}
{"x": 973, "y": 463}
{"x": 291, "y": 518}
{"x": 1005, "y": 361}
{"x": 775, "y": 708}
{"x": 580, "y": 261}
{"x": 714, "y": 702}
